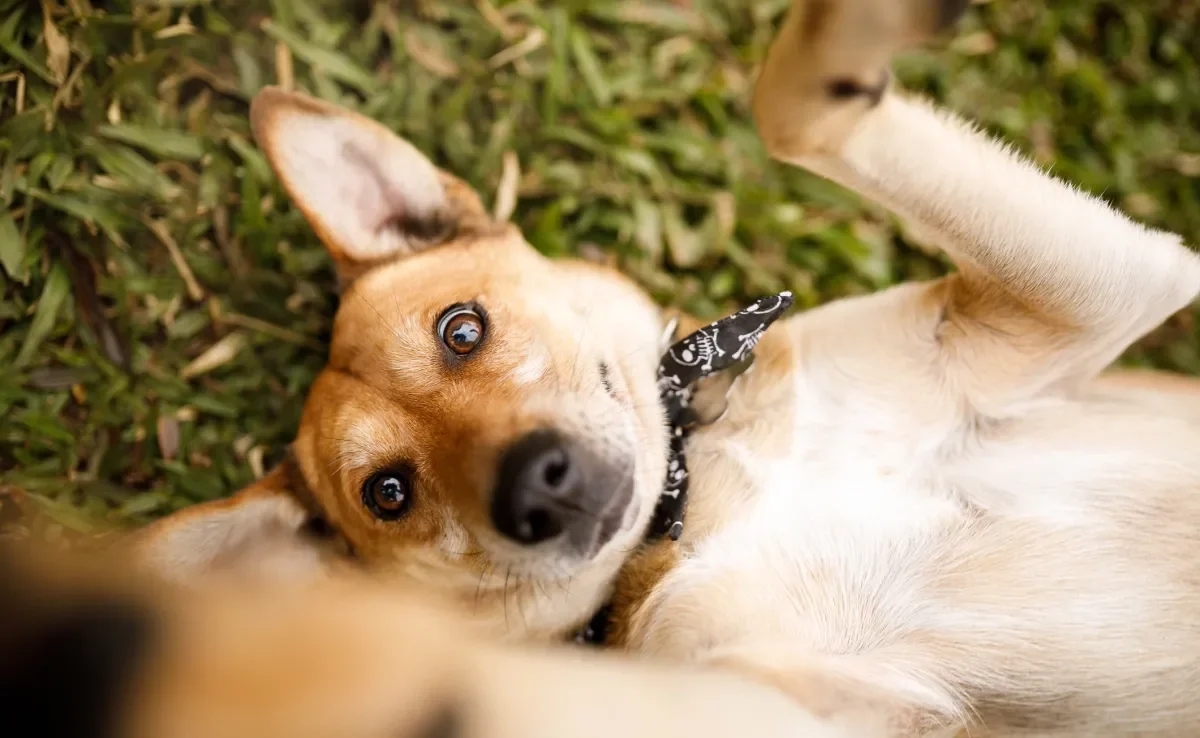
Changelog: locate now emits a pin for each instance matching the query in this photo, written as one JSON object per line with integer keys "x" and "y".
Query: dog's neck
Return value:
{"x": 716, "y": 348}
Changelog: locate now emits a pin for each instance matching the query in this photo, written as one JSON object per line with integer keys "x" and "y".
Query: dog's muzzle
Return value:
{"x": 549, "y": 487}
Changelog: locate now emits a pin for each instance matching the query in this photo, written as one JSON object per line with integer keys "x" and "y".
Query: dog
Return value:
{"x": 934, "y": 505}
{"x": 86, "y": 652}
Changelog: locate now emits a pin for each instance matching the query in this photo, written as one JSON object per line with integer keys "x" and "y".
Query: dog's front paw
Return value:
{"x": 828, "y": 67}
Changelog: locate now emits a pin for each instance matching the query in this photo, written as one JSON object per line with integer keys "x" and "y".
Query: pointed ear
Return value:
{"x": 370, "y": 195}
{"x": 262, "y": 531}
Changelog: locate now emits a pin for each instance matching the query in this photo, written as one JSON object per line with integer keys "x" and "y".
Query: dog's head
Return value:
{"x": 488, "y": 421}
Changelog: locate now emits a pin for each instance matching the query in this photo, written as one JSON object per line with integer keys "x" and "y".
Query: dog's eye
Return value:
{"x": 388, "y": 495}
{"x": 461, "y": 329}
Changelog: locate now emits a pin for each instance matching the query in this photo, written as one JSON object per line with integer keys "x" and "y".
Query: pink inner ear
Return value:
{"x": 379, "y": 201}
{"x": 356, "y": 182}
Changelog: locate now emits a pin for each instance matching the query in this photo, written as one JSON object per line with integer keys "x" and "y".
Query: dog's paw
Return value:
{"x": 828, "y": 66}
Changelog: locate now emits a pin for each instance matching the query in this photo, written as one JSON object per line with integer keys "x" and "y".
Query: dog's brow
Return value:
{"x": 411, "y": 358}
{"x": 359, "y": 447}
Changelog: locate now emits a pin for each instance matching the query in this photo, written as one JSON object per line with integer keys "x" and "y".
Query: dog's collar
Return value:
{"x": 709, "y": 350}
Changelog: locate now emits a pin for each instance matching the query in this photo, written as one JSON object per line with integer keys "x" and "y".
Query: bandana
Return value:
{"x": 709, "y": 350}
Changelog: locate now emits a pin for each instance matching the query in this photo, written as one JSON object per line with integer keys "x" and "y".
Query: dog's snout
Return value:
{"x": 539, "y": 488}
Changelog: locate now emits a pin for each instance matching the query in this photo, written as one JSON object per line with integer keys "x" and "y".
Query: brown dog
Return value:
{"x": 920, "y": 505}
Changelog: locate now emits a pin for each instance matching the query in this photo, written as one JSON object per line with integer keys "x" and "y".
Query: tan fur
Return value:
{"x": 343, "y": 658}
{"x": 641, "y": 575}
{"x": 922, "y": 508}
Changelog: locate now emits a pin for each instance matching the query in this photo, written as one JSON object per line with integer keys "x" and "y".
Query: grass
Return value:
{"x": 164, "y": 308}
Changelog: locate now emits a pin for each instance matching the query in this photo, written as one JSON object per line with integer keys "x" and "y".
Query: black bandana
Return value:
{"x": 698, "y": 355}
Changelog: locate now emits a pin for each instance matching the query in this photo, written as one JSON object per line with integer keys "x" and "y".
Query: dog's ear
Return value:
{"x": 370, "y": 195}
{"x": 261, "y": 531}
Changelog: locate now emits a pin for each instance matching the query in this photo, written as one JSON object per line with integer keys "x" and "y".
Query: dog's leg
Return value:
{"x": 1052, "y": 285}
{"x": 860, "y": 695}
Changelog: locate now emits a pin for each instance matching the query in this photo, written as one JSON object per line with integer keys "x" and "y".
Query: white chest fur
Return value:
{"x": 819, "y": 544}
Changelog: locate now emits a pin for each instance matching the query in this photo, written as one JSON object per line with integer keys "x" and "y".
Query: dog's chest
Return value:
{"x": 802, "y": 528}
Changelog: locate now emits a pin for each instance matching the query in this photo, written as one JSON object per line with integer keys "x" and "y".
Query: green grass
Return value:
{"x": 164, "y": 308}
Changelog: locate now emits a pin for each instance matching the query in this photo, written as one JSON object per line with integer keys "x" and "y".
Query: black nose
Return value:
{"x": 538, "y": 489}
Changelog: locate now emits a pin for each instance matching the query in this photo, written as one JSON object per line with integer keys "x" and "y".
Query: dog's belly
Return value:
{"x": 1017, "y": 573}
{"x": 825, "y": 558}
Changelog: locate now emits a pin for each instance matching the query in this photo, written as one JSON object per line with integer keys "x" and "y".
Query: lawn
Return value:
{"x": 164, "y": 307}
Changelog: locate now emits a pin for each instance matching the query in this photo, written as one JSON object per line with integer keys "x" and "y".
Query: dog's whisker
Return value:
{"x": 479, "y": 585}
{"x": 504, "y": 596}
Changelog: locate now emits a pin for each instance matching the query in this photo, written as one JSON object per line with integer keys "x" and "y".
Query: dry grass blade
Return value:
{"x": 428, "y": 56}
{"x": 58, "y": 49}
{"x": 270, "y": 329}
{"x": 194, "y": 290}
{"x": 533, "y": 41}
{"x": 284, "y": 74}
{"x": 506, "y": 193}
{"x": 168, "y": 437}
{"x": 220, "y": 353}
